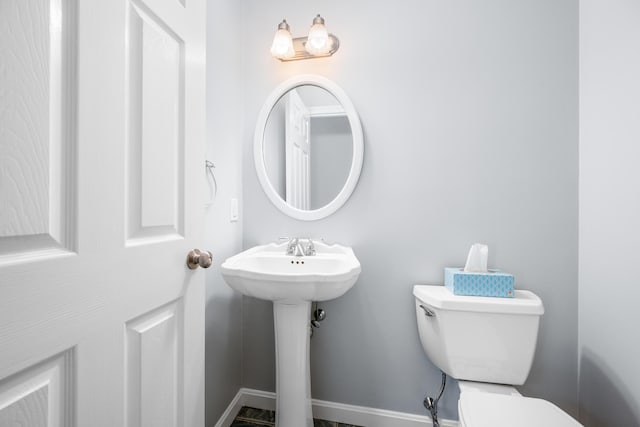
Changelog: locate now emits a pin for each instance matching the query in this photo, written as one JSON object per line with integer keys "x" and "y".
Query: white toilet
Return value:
{"x": 488, "y": 345}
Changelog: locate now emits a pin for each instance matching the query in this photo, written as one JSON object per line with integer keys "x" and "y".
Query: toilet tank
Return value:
{"x": 479, "y": 338}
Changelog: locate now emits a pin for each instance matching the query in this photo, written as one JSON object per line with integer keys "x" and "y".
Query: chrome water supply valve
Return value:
{"x": 317, "y": 316}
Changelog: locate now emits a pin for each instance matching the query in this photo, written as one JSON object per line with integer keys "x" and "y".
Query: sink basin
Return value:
{"x": 292, "y": 283}
{"x": 266, "y": 272}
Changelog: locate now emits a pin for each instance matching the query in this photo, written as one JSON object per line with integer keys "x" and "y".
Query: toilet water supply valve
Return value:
{"x": 432, "y": 404}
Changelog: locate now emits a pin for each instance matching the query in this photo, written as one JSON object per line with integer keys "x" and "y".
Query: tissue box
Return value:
{"x": 494, "y": 283}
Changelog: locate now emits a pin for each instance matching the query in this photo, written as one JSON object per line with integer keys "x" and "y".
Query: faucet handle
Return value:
{"x": 292, "y": 245}
{"x": 309, "y": 249}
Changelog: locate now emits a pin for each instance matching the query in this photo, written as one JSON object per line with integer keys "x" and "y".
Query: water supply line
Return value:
{"x": 432, "y": 404}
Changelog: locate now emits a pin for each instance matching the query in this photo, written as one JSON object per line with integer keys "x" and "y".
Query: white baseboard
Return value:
{"x": 347, "y": 414}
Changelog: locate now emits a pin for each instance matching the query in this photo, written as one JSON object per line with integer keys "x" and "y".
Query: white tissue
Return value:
{"x": 477, "y": 259}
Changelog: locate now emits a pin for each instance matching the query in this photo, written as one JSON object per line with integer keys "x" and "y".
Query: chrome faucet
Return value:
{"x": 297, "y": 248}
{"x": 294, "y": 248}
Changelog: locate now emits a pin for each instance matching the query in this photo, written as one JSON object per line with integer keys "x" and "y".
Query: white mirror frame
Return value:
{"x": 358, "y": 147}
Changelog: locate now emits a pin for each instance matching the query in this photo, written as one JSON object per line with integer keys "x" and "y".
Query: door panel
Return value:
{"x": 39, "y": 396}
{"x": 36, "y": 128}
{"x": 101, "y": 321}
{"x": 154, "y": 345}
{"x": 156, "y": 128}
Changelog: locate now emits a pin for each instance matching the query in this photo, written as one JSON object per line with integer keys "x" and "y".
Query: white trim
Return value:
{"x": 358, "y": 147}
{"x": 259, "y": 399}
{"x": 327, "y": 111}
{"x": 339, "y": 412}
{"x": 229, "y": 414}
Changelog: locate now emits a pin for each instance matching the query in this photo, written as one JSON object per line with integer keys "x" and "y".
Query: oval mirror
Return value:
{"x": 308, "y": 147}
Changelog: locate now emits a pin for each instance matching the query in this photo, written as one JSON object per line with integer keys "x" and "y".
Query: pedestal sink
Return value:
{"x": 292, "y": 283}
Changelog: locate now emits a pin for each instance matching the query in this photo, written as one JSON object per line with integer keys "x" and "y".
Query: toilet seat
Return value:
{"x": 497, "y": 410}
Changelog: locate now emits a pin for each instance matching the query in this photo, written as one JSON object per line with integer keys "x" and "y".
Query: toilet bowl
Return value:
{"x": 497, "y": 405}
{"x": 488, "y": 345}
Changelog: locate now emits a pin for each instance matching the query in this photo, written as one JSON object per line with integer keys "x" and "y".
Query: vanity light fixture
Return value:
{"x": 317, "y": 44}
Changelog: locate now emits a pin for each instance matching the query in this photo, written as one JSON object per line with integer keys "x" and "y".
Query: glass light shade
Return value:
{"x": 318, "y": 40}
{"x": 282, "y": 46}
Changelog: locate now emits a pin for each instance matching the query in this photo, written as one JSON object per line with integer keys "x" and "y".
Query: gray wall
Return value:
{"x": 331, "y": 156}
{"x": 609, "y": 212}
{"x": 469, "y": 111}
{"x": 224, "y": 118}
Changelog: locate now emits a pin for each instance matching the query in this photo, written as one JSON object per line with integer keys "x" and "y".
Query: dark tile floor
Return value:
{"x": 252, "y": 417}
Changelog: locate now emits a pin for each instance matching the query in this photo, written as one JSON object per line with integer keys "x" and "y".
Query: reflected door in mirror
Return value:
{"x": 298, "y": 152}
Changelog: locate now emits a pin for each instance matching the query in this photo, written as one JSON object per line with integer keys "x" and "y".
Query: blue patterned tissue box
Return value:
{"x": 494, "y": 283}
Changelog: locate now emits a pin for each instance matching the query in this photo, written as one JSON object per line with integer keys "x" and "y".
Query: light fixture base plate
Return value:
{"x": 301, "y": 52}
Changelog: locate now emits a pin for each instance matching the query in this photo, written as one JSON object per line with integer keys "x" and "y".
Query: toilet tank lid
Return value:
{"x": 499, "y": 410}
{"x": 523, "y": 302}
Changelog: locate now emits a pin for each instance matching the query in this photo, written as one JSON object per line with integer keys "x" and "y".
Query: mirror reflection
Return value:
{"x": 308, "y": 147}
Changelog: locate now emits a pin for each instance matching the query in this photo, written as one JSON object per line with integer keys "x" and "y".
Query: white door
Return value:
{"x": 298, "y": 152}
{"x": 101, "y": 162}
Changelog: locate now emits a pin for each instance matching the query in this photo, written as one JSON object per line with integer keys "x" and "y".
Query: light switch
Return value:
{"x": 233, "y": 211}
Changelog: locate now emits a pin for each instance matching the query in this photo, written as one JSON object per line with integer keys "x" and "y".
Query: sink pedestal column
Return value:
{"x": 293, "y": 377}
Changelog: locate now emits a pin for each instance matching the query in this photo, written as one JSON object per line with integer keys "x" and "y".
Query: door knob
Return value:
{"x": 196, "y": 258}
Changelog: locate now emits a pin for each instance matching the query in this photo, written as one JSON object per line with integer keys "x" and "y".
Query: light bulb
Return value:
{"x": 282, "y": 46}
{"x": 318, "y": 39}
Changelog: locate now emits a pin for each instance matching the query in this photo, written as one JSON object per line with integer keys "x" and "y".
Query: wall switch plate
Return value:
{"x": 233, "y": 210}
